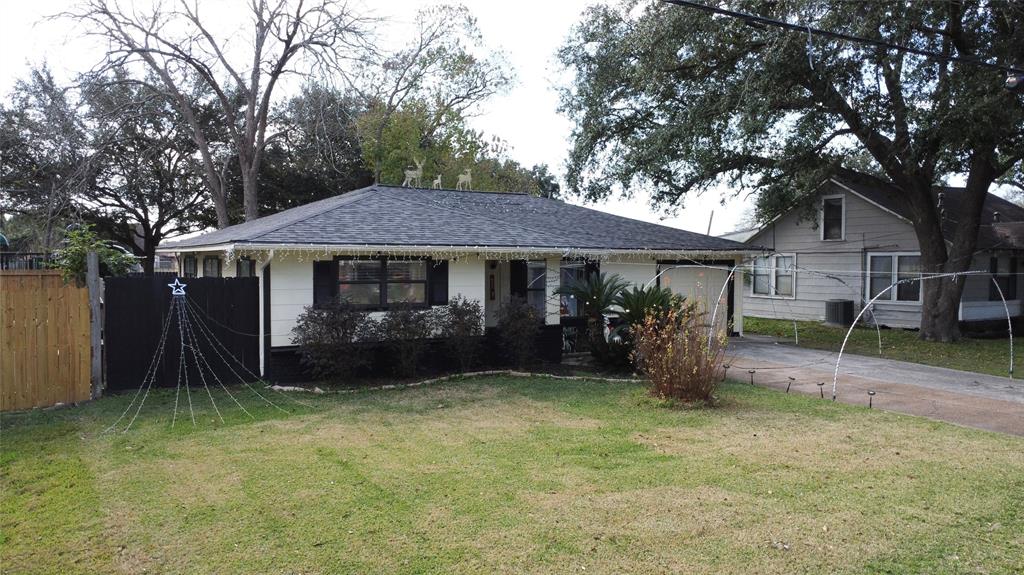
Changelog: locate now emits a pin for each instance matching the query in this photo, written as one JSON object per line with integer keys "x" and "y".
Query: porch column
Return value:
{"x": 552, "y": 314}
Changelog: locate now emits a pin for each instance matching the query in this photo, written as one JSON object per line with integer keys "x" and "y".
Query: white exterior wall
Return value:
{"x": 291, "y": 290}
{"x": 466, "y": 278}
{"x": 552, "y": 311}
{"x": 868, "y": 229}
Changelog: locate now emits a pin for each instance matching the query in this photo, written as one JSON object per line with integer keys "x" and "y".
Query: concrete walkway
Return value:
{"x": 960, "y": 397}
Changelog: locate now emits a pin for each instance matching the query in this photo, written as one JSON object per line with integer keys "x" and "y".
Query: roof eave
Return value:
{"x": 411, "y": 248}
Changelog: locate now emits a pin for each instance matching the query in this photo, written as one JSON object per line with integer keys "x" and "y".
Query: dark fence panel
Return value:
{"x": 135, "y": 311}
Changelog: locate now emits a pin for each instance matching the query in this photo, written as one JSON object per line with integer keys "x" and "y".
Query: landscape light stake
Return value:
{"x": 821, "y": 389}
{"x": 871, "y": 397}
{"x": 725, "y": 371}
{"x": 791, "y": 380}
{"x": 751, "y": 372}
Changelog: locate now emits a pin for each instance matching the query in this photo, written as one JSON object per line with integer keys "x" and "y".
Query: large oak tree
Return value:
{"x": 678, "y": 101}
{"x": 184, "y": 47}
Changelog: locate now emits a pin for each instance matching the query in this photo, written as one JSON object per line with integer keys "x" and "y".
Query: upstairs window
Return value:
{"x": 833, "y": 218}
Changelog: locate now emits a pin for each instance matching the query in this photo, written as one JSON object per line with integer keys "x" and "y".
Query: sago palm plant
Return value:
{"x": 597, "y": 294}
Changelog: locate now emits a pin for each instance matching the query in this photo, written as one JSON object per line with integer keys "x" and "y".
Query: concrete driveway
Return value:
{"x": 960, "y": 397}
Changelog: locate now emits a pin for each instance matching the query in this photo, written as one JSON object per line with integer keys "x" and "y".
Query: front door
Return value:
{"x": 496, "y": 289}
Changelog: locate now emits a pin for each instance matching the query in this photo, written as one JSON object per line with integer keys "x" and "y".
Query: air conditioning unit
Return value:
{"x": 839, "y": 312}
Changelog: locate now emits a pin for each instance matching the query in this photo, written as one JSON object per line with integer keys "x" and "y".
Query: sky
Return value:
{"x": 527, "y": 31}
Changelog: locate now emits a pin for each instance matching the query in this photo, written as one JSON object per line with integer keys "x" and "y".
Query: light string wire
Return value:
{"x": 219, "y": 346}
{"x": 151, "y": 371}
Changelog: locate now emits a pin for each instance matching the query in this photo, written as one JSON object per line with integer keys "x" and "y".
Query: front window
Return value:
{"x": 537, "y": 285}
{"x": 774, "y": 275}
{"x": 762, "y": 283}
{"x": 211, "y": 267}
{"x": 378, "y": 283}
{"x": 189, "y": 266}
{"x": 1006, "y": 276}
{"x": 784, "y": 275}
{"x": 887, "y": 269}
{"x": 246, "y": 268}
{"x": 832, "y": 219}
{"x": 569, "y": 273}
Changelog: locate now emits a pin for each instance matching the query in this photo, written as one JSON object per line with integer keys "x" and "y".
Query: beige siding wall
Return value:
{"x": 637, "y": 272}
{"x": 840, "y": 263}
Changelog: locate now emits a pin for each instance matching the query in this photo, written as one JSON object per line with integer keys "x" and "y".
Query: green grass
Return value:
{"x": 991, "y": 356}
{"x": 509, "y": 475}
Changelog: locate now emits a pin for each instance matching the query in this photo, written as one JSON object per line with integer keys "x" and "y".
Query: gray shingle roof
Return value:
{"x": 395, "y": 216}
{"x": 991, "y": 235}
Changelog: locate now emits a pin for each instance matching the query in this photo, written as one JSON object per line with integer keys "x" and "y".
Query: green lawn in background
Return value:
{"x": 991, "y": 356}
{"x": 508, "y": 475}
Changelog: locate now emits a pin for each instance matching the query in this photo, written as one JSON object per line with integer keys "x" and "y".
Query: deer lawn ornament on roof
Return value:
{"x": 413, "y": 177}
{"x": 465, "y": 180}
{"x": 436, "y": 184}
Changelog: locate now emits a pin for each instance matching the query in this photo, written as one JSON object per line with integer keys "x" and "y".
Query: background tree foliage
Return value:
{"x": 676, "y": 101}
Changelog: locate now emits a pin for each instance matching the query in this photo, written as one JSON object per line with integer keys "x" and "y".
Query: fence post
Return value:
{"x": 92, "y": 281}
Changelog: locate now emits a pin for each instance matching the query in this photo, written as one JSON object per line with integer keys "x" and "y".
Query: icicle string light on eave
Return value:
{"x": 315, "y": 252}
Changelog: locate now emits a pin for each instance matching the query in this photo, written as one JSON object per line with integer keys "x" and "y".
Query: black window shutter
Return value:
{"x": 325, "y": 282}
{"x": 438, "y": 282}
{"x": 517, "y": 278}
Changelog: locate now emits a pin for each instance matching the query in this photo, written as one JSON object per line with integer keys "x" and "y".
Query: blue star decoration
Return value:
{"x": 177, "y": 288}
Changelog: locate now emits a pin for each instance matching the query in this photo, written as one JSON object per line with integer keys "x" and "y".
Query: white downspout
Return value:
{"x": 263, "y": 318}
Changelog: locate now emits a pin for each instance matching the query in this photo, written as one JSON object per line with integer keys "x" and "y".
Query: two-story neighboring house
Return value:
{"x": 860, "y": 242}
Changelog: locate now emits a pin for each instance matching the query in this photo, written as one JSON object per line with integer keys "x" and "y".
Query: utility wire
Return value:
{"x": 751, "y": 18}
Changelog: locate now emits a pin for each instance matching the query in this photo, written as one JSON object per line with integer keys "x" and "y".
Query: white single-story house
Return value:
{"x": 382, "y": 244}
{"x": 859, "y": 241}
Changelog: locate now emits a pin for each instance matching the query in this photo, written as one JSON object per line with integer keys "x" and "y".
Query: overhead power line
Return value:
{"x": 751, "y": 18}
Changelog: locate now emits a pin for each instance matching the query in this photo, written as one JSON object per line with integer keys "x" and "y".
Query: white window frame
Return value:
{"x": 773, "y": 270}
{"x": 891, "y": 299}
{"x": 821, "y": 218}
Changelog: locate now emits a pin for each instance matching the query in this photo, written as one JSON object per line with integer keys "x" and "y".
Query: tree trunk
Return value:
{"x": 148, "y": 259}
{"x": 940, "y": 309}
{"x": 249, "y": 192}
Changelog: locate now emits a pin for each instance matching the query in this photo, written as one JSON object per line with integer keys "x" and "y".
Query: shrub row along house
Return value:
{"x": 860, "y": 241}
{"x": 381, "y": 245}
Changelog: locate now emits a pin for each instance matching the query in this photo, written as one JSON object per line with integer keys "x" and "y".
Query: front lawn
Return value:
{"x": 991, "y": 356}
{"x": 510, "y": 475}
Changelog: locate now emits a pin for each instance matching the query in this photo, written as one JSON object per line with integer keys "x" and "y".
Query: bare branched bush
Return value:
{"x": 676, "y": 353}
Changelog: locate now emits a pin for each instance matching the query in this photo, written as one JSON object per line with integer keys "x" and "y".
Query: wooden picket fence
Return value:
{"x": 45, "y": 343}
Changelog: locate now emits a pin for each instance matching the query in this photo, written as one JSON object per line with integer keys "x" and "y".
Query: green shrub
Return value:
{"x": 71, "y": 259}
{"x": 519, "y": 325}
{"x": 332, "y": 339}
{"x": 597, "y": 294}
{"x": 404, "y": 331}
{"x": 461, "y": 324}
